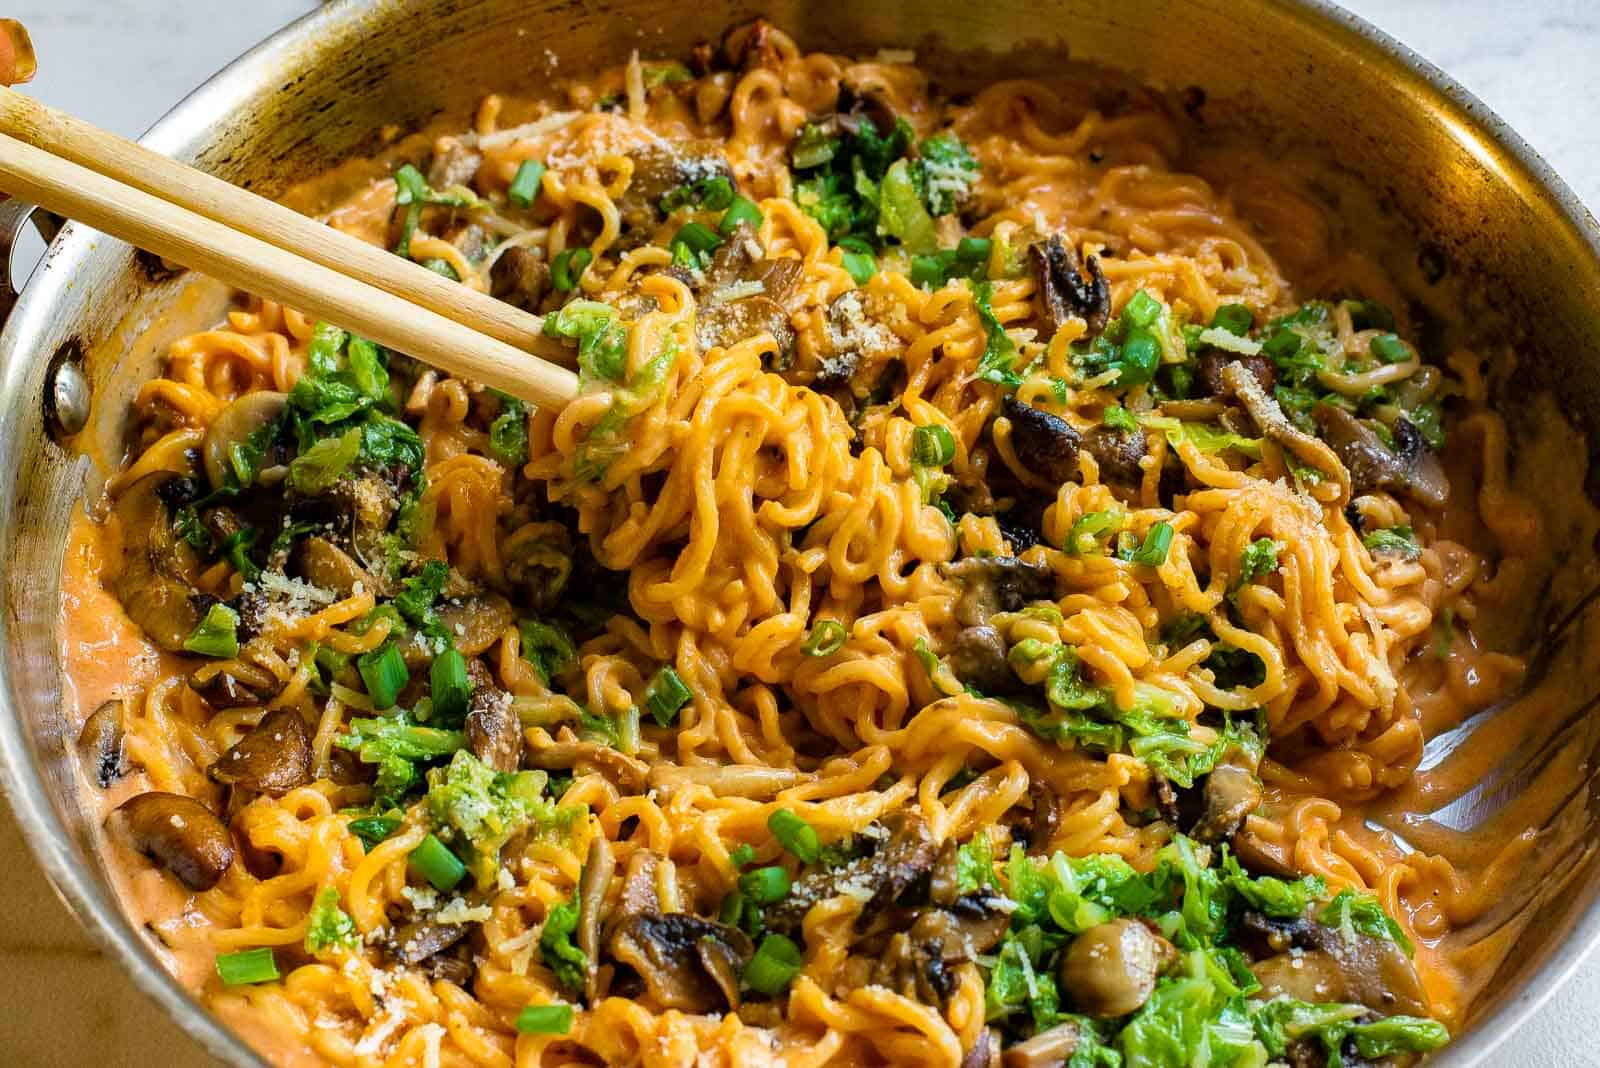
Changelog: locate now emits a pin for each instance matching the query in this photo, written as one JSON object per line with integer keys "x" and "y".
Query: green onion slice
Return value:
{"x": 525, "y": 185}
{"x": 1142, "y": 309}
{"x": 666, "y": 695}
{"x": 1157, "y": 540}
{"x": 434, "y": 862}
{"x": 216, "y": 634}
{"x": 568, "y": 267}
{"x": 795, "y": 835}
{"x": 765, "y": 885}
{"x": 826, "y": 638}
{"x": 384, "y": 671}
{"x": 553, "y": 1019}
{"x": 932, "y": 445}
{"x": 450, "y": 685}
{"x": 742, "y": 210}
{"x": 247, "y": 966}
{"x": 773, "y": 968}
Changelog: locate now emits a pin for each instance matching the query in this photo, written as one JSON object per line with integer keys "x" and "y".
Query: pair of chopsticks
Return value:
{"x": 192, "y": 218}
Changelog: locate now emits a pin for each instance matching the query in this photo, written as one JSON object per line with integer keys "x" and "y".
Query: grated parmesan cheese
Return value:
{"x": 1217, "y": 337}
{"x": 458, "y": 912}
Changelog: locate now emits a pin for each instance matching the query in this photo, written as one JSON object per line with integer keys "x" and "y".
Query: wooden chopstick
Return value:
{"x": 131, "y": 163}
{"x": 249, "y": 263}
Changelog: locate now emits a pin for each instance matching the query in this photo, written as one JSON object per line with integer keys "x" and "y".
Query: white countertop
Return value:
{"x": 122, "y": 63}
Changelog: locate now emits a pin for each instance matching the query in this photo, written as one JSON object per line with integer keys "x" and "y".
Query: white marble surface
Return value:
{"x": 121, "y": 63}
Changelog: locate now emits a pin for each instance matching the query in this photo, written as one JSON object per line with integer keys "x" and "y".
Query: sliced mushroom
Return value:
{"x": 991, "y": 584}
{"x": 494, "y": 731}
{"x": 417, "y": 941}
{"x": 745, "y": 294}
{"x": 1045, "y": 443}
{"x": 1111, "y": 969}
{"x": 1117, "y": 454}
{"x": 977, "y": 655}
{"x": 567, "y": 753}
{"x": 324, "y": 564}
{"x": 453, "y": 163}
{"x": 274, "y": 758}
{"x": 1047, "y": 1049}
{"x": 179, "y": 833}
{"x": 1373, "y": 971}
{"x": 750, "y": 45}
{"x": 1208, "y": 372}
{"x": 520, "y": 277}
{"x": 687, "y": 963}
{"x": 660, "y": 167}
{"x": 1309, "y": 975}
{"x": 909, "y": 853}
{"x": 598, "y": 870}
{"x": 1411, "y": 468}
{"x": 1068, "y": 287}
{"x": 1046, "y": 817}
{"x": 156, "y": 580}
{"x": 1231, "y": 793}
{"x": 234, "y": 683}
{"x": 985, "y": 1050}
{"x": 477, "y": 622}
{"x": 638, "y": 887}
{"x": 369, "y": 500}
{"x": 1274, "y": 424}
{"x": 233, "y": 426}
{"x": 100, "y": 745}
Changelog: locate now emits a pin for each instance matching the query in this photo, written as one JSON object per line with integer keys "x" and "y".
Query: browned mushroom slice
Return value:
{"x": 370, "y": 500}
{"x": 569, "y": 754}
{"x": 1111, "y": 969}
{"x": 686, "y": 963}
{"x": 1309, "y": 975}
{"x": 1117, "y": 454}
{"x": 1361, "y": 967}
{"x": 1208, "y": 372}
{"x": 744, "y": 294}
{"x": 1271, "y": 421}
{"x": 638, "y": 888}
{"x": 1410, "y": 468}
{"x": 417, "y": 941}
{"x": 100, "y": 745}
{"x": 1046, "y": 816}
{"x": 598, "y": 870}
{"x": 453, "y": 163}
{"x": 1047, "y": 1049}
{"x": 234, "y": 683}
{"x": 1068, "y": 287}
{"x": 494, "y": 732}
{"x": 520, "y": 277}
{"x": 750, "y": 45}
{"x": 991, "y": 584}
{"x": 660, "y": 167}
{"x": 909, "y": 853}
{"x": 272, "y": 759}
{"x": 179, "y": 833}
{"x": 1046, "y": 444}
{"x": 977, "y": 655}
{"x": 233, "y": 427}
{"x": 324, "y": 564}
{"x": 1231, "y": 793}
{"x": 156, "y": 580}
{"x": 985, "y": 1051}
{"x": 476, "y": 623}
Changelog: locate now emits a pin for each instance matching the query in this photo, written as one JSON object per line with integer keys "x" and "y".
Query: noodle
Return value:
{"x": 755, "y": 499}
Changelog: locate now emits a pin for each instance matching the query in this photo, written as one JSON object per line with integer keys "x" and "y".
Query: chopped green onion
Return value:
{"x": 773, "y": 968}
{"x": 441, "y": 267}
{"x": 216, "y": 634}
{"x": 384, "y": 671}
{"x": 858, "y": 259}
{"x": 1157, "y": 540}
{"x": 434, "y": 862}
{"x": 1142, "y": 309}
{"x": 932, "y": 445}
{"x": 247, "y": 966}
{"x": 973, "y": 251}
{"x": 627, "y": 727}
{"x": 1282, "y": 345}
{"x": 554, "y": 1019}
{"x": 826, "y": 638}
{"x": 1234, "y": 318}
{"x": 795, "y": 835}
{"x": 1140, "y": 357}
{"x": 374, "y": 829}
{"x": 568, "y": 267}
{"x": 1390, "y": 349}
{"x": 666, "y": 695}
{"x": 742, "y": 210}
{"x": 712, "y": 194}
{"x": 765, "y": 885}
{"x": 927, "y": 272}
{"x": 450, "y": 685}
{"x": 1116, "y": 417}
{"x": 693, "y": 243}
{"x": 742, "y": 854}
{"x": 1091, "y": 530}
{"x": 525, "y": 186}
